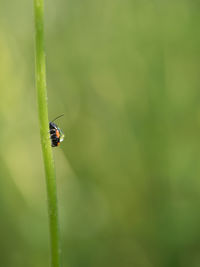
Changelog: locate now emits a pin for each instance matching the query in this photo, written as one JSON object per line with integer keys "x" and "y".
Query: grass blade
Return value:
{"x": 44, "y": 128}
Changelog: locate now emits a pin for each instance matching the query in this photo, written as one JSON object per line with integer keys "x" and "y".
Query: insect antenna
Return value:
{"x": 57, "y": 117}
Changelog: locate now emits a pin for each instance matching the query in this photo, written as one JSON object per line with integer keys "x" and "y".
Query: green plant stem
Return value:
{"x": 44, "y": 134}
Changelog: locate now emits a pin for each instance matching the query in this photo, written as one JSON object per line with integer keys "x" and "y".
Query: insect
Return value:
{"x": 56, "y": 135}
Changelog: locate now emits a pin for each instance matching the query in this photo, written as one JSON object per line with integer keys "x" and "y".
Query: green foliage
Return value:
{"x": 126, "y": 76}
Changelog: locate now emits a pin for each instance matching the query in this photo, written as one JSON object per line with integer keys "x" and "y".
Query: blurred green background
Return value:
{"x": 126, "y": 76}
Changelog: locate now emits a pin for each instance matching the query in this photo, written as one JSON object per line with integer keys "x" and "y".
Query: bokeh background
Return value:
{"x": 126, "y": 76}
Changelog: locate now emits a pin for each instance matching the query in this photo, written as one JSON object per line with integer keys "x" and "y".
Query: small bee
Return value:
{"x": 56, "y": 135}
